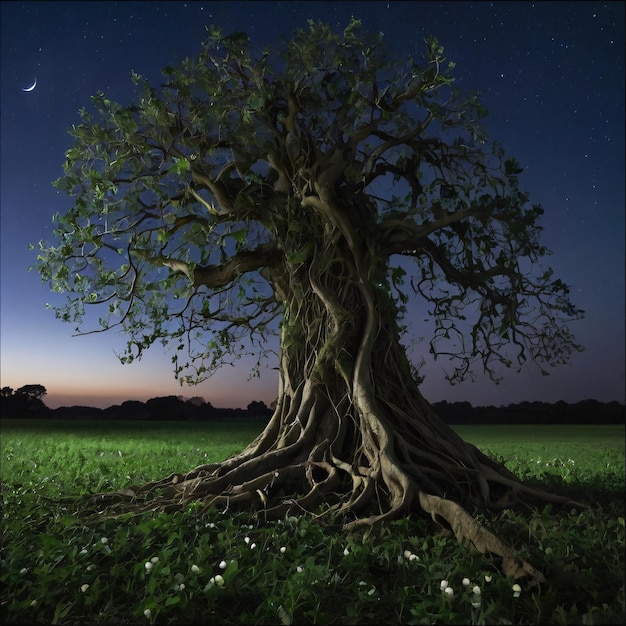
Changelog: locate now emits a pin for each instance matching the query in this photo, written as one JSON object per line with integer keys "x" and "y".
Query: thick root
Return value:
{"x": 471, "y": 533}
{"x": 359, "y": 462}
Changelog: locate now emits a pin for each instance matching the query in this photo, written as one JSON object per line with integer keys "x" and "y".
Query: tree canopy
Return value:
{"x": 185, "y": 197}
{"x": 304, "y": 190}
{"x": 32, "y": 391}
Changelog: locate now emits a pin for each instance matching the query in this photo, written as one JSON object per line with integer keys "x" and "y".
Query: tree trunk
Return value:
{"x": 351, "y": 430}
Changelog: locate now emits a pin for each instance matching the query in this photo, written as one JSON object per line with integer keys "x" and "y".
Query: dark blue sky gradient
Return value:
{"x": 550, "y": 73}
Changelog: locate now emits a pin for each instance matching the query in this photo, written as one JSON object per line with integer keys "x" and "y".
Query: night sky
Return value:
{"x": 550, "y": 73}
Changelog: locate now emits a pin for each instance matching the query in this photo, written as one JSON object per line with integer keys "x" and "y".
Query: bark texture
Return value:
{"x": 351, "y": 430}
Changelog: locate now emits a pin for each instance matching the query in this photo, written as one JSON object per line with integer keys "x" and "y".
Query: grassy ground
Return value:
{"x": 216, "y": 567}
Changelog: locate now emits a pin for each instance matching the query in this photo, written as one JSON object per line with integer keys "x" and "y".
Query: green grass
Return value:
{"x": 574, "y": 458}
{"x": 88, "y": 456}
{"x": 217, "y": 567}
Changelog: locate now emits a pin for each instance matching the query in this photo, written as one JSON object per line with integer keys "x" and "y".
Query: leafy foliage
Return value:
{"x": 193, "y": 202}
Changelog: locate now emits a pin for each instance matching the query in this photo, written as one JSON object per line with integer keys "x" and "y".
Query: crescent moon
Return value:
{"x": 31, "y": 87}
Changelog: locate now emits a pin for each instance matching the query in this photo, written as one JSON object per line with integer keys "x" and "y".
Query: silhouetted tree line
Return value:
{"x": 26, "y": 402}
{"x": 583, "y": 412}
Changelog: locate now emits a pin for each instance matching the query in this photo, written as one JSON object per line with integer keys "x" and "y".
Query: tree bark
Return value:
{"x": 351, "y": 430}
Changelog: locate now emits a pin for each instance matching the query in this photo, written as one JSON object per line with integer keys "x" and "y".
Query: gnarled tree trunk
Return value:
{"x": 350, "y": 429}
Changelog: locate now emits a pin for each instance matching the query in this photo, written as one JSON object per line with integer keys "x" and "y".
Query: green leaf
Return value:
{"x": 239, "y": 235}
{"x": 300, "y": 256}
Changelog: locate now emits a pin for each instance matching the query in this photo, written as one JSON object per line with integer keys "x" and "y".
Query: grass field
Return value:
{"x": 216, "y": 567}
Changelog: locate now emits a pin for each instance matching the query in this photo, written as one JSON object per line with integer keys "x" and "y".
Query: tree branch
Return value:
{"x": 214, "y": 276}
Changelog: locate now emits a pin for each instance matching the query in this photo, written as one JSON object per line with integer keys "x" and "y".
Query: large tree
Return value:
{"x": 298, "y": 190}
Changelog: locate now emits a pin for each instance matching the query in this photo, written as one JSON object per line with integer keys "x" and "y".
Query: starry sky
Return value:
{"x": 550, "y": 73}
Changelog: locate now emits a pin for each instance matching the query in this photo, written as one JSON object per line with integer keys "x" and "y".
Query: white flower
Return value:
{"x": 23, "y": 571}
{"x": 407, "y": 554}
{"x": 476, "y": 590}
{"x": 466, "y": 582}
{"x": 476, "y": 604}
{"x": 84, "y": 587}
{"x": 223, "y": 565}
{"x": 195, "y": 569}
{"x": 444, "y": 584}
{"x": 252, "y": 546}
{"x": 299, "y": 569}
{"x": 104, "y": 540}
{"x": 148, "y": 613}
{"x": 247, "y": 539}
{"x": 148, "y": 566}
{"x": 91, "y": 567}
{"x": 414, "y": 557}
{"x": 83, "y": 551}
{"x": 181, "y": 586}
{"x": 449, "y": 591}
{"x": 487, "y": 578}
{"x": 154, "y": 559}
{"x": 516, "y": 590}
{"x": 283, "y": 550}
{"x": 34, "y": 603}
{"x": 219, "y": 581}
{"x": 346, "y": 552}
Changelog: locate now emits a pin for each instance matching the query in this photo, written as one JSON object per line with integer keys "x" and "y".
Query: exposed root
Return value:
{"x": 384, "y": 492}
{"x": 367, "y": 453}
{"x": 471, "y": 533}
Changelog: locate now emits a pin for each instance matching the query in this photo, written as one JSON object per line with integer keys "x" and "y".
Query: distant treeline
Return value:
{"x": 26, "y": 403}
{"x": 18, "y": 406}
{"x": 30, "y": 405}
{"x": 584, "y": 412}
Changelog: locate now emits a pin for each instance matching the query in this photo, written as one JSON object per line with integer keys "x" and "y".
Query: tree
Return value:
{"x": 32, "y": 391}
{"x": 24, "y": 402}
{"x": 303, "y": 192}
{"x": 257, "y": 405}
{"x": 199, "y": 401}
